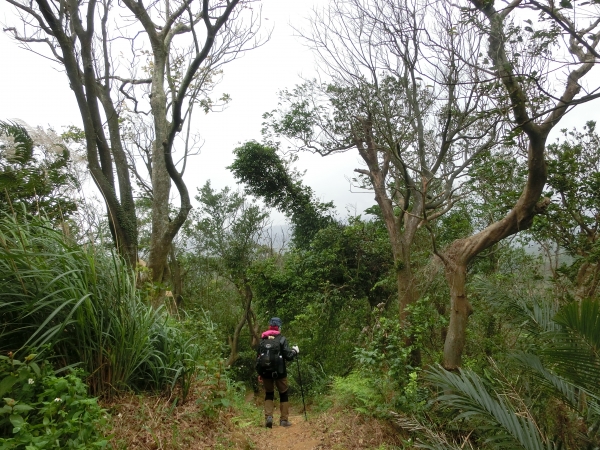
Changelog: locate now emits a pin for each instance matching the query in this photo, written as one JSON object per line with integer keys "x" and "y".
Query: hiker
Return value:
{"x": 273, "y": 352}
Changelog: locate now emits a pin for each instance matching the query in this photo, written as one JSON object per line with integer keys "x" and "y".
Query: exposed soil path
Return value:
{"x": 300, "y": 436}
{"x": 152, "y": 423}
{"x": 331, "y": 430}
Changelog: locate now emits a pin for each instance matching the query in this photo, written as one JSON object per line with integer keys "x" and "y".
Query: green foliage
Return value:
{"x": 227, "y": 229}
{"x": 218, "y": 391}
{"x": 351, "y": 262}
{"x": 495, "y": 183}
{"x": 387, "y": 346}
{"x": 572, "y": 219}
{"x": 454, "y": 225}
{"x": 324, "y": 117}
{"x": 82, "y": 301}
{"x": 386, "y": 353}
{"x": 35, "y": 175}
{"x": 195, "y": 353}
{"x": 547, "y": 392}
{"x": 268, "y": 177}
{"x": 44, "y": 411}
{"x": 364, "y": 393}
{"x": 332, "y": 285}
{"x": 224, "y": 237}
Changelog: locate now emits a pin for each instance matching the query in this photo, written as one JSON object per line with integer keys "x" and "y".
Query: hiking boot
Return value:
{"x": 269, "y": 422}
{"x": 285, "y": 423}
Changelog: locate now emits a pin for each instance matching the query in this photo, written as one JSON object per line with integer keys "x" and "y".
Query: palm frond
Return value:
{"x": 521, "y": 306}
{"x": 575, "y": 352}
{"x": 554, "y": 384}
{"x": 467, "y": 393}
{"x": 428, "y": 438}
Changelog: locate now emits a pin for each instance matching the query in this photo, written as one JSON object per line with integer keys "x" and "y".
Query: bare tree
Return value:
{"x": 401, "y": 93}
{"x": 540, "y": 68}
{"x": 154, "y": 62}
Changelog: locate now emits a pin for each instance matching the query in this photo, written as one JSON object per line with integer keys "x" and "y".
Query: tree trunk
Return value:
{"x": 407, "y": 291}
{"x": 460, "y": 310}
{"x": 246, "y": 292}
{"x": 253, "y": 329}
{"x": 177, "y": 275}
{"x": 104, "y": 158}
{"x": 461, "y": 252}
{"x": 401, "y": 229}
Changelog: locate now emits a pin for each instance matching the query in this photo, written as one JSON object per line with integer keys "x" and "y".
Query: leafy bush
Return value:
{"x": 43, "y": 411}
{"x": 366, "y": 394}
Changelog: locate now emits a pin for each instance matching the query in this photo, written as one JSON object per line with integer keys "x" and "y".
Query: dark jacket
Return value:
{"x": 285, "y": 351}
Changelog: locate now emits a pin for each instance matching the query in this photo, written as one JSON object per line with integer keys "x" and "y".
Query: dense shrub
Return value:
{"x": 43, "y": 411}
{"x": 81, "y": 303}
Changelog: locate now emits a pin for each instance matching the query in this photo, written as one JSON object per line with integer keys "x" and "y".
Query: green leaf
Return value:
{"x": 7, "y": 383}
{"x": 17, "y": 420}
{"x": 566, "y": 4}
{"x": 22, "y": 408}
{"x": 35, "y": 367}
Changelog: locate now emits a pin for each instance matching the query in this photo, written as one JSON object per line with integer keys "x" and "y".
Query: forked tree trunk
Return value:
{"x": 461, "y": 252}
{"x": 401, "y": 229}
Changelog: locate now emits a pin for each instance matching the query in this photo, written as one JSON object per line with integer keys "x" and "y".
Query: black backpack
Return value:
{"x": 269, "y": 361}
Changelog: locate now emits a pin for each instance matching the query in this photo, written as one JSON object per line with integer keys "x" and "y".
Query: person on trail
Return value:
{"x": 273, "y": 352}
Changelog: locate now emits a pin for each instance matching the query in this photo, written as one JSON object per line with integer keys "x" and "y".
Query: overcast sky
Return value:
{"x": 34, "y": 90}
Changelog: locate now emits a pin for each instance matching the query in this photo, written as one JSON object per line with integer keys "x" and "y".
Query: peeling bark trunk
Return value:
{"x": 461, "y": 253}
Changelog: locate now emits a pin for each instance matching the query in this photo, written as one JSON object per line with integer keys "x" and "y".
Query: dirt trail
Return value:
{"x": 152, "y": 423}
{"x": 300, "y": 436}
{"x": 330, "y": 430}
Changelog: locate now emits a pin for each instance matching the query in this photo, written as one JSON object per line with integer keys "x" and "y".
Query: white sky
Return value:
{"x": 34, "y": 90}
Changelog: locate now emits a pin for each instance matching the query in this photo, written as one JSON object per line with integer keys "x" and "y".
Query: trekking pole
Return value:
{"x": 301, "y": 388}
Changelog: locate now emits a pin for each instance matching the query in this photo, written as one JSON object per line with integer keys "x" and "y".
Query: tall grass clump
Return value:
{"x": 80, "y": 303}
